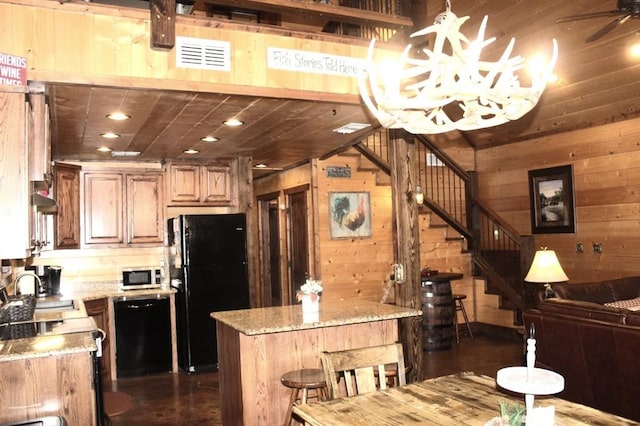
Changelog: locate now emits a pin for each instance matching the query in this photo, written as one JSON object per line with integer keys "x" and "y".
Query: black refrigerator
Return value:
{"x": 207, "y": 256}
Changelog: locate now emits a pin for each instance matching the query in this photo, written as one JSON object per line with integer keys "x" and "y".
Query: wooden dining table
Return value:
{"x": 459, "y": 399}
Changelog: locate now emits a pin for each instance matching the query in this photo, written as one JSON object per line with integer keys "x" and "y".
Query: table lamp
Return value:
{"x": 546, "y": 269}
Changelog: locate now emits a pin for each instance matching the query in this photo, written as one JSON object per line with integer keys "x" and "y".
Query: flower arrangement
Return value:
{"x": 510, "y": 415}
{"x": 309, "y": 288}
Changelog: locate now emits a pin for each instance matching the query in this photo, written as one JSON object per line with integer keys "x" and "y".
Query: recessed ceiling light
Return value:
{"x": 125, "y": 153}
{"x": 118, "y": 116}
{"x": 233, "y": 122}
{"x": 260, "y": 166}
{"x": 209, "y": 139}
{"x": 351, "y": 128}
{"x": 110, "y": 135}
{"x": 191, "y": 151}
{"x": 104, "y": 149}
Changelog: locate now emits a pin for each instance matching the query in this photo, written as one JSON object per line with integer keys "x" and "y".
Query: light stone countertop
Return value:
{"x": 289, "y": 318}
{"x": 70, "y": 342}
{"x": 42, "y": 346}
{"x": 100, "y": 289}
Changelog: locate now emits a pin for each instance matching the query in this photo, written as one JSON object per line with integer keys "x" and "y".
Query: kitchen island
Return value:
{"x": 257, "y": 346}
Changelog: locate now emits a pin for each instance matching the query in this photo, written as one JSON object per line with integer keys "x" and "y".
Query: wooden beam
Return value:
{"x": 402, "y": 163}
{"x": 163, "y": 23}
{"x": 330, "y": 12}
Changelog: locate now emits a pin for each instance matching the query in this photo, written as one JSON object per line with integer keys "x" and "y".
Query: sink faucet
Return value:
{"x": 24, "y": 274}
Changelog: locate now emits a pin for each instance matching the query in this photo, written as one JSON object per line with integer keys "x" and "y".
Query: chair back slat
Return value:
{"x": 363, "y": 369}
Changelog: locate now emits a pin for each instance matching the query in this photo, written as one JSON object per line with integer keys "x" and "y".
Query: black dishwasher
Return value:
{"x": 143, "y": 336}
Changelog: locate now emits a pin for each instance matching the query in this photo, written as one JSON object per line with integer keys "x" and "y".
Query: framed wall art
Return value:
{"x": 552, "y": 205}
{"x": 349, "y": 214}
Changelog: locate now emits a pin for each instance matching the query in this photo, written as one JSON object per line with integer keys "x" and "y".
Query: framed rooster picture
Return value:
{"x": 349, "y": 214}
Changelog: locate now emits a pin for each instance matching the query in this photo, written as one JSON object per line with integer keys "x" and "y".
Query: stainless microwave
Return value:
{"x": 140, "y": 278}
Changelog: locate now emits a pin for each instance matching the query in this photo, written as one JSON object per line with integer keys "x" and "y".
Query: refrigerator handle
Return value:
{"x": 185, "y": 253}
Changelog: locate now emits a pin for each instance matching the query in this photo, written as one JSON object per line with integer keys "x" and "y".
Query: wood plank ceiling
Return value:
{"x": 598, "y": 83}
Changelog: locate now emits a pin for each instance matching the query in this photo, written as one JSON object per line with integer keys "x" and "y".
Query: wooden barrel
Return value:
{"x": 437, "y": 315}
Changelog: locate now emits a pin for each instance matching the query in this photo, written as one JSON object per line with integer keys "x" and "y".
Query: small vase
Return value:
{"x": 310, "y": 304}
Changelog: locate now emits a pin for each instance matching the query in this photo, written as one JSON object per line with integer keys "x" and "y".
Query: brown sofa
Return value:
{"x": 595, "y": 347}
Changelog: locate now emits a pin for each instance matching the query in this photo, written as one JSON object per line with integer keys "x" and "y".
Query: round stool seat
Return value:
{"x": 459, "y": 296}
{"x": 303, "y": 380}
{"x": 310, "y": 378}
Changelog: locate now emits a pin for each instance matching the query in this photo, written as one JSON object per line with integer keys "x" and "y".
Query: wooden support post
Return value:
{"x": 407, "y": 241}
{"x": 163, "y": 23}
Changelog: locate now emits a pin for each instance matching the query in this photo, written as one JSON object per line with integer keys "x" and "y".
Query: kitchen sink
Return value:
{"x": 50, "y": 305}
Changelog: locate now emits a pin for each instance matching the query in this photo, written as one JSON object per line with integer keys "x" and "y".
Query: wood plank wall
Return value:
{"x": 360, "y": 267}
{"x": 112, "y": 47}
{"x": 606, "y": 169}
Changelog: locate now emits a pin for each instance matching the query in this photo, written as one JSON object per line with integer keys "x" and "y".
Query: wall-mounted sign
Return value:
{"x": 339, "y": 172}
{"x": 313, "y": 62}
{"x": 13, "y": 70}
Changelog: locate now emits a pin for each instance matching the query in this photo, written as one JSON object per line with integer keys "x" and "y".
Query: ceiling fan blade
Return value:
{"x": 589, "y": 16}
{"x": 609, "y": 27}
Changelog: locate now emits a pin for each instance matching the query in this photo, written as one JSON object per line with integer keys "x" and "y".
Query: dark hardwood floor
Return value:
{"x": 183, "y": 399}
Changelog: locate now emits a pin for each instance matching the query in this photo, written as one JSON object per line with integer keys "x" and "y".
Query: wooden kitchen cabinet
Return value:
{"x": 98, "y": 309}
{"x": 39, "y": 141}
{"x": 122, "y": 209}
{"x": 103, "y": 208}
{"x": 60, "y": 384}
{"x": 14, "y": 182}
{"x": 66, "y": 192}
{"x": 145, "y": 218}
{"x": 200, "y": 184}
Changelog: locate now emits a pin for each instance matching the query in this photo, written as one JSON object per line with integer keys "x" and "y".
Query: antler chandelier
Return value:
{"x": 487, "y": 93}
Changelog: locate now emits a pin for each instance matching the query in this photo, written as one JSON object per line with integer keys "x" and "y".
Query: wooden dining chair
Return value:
{"x": 361, "y": 369}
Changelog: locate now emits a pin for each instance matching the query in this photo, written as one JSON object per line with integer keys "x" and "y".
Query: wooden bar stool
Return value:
{"x": 457, "y": 301}
{"x": 303, "y": 380}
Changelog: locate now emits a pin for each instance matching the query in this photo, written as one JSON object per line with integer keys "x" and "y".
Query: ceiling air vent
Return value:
{"x": 203, "y": 54}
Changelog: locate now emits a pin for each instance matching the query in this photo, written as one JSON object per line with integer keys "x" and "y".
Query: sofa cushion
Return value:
{"x": 601, "y": 292}
{"x": 580, "y": 309}
{"x": 587, "y": 292}
{"x": 624, "y": 288}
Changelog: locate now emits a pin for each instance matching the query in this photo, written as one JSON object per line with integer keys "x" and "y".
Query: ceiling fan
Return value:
{"x": 626, "y": 9}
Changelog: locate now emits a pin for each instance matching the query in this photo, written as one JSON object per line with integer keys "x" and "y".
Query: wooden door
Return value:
{"x": 270, "y": 256}
{"x": 298, "y": 239}
{"x": 145, "y": 219}
{"x": 103, "y": 208}
{"x": 67, "y": 195}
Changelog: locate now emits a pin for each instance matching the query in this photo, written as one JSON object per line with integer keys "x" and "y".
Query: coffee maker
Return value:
{"x": 49, "y": 283}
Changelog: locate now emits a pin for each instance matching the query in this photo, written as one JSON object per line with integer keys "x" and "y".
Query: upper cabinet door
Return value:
{"x": 66, "y": 186}
{"x": 14, "y": 187}
{"x": 39, "y": 142}
{"x": 103, "y": 208}
{"x": 184, "y": 183}
{"x": 216, "y": 184}
{"x": 204, "y": 184}
{"x": 144, "y": 209}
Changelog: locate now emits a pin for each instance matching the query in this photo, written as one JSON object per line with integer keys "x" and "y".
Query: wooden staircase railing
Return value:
{"x": 499, "y": 253}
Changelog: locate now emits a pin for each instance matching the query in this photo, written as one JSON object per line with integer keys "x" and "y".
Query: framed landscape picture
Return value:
{"x": 349, "y": 214}
{"x": 552, "y": 205}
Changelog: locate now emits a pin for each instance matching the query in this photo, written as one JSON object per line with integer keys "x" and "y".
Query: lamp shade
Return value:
{"x": 546, "y": 268}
